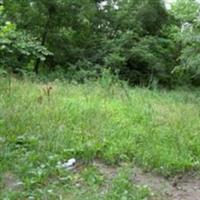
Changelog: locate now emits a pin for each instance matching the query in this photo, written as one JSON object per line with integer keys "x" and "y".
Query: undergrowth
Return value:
{"x": 42, "y": 124}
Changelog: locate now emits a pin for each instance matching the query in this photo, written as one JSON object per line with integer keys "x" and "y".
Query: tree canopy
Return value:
{"x": 140, "y": 40}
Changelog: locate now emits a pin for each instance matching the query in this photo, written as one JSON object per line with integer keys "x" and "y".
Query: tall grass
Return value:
{"x": 157, "y": 130}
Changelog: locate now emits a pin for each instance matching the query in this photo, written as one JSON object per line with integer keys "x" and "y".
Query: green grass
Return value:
{"x": 156, "y": 130}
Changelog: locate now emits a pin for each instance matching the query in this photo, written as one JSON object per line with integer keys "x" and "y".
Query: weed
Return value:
{"x": 156, "y": 130}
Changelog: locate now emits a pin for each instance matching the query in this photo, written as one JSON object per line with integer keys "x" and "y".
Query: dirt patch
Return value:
{"x": 182, "y": 187}
{"x": 108, "y": 171}
{"x": 11, "y": 183}
{"x": 185, "y": 187}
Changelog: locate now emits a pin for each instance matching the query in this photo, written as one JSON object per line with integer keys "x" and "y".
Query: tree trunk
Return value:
{"x": 44, "y": 38}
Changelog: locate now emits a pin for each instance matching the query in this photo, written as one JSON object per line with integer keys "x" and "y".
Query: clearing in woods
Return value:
{"x": 129, "y": 143}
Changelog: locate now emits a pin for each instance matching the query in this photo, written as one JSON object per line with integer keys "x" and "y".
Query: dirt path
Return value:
{"x": 186, "y": 187}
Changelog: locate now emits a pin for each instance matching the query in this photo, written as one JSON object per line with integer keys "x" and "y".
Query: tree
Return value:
{"x": 138, "y": 47}
{"x": 17, "y": 48}
{"x": 140, "y": 40}
{"x": 187, "y": 35}
{"x": 63, "y": 26}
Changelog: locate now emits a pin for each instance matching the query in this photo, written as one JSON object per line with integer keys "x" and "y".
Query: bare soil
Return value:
{"x": 11, "y": 182}
{"x": 181, "y": 187}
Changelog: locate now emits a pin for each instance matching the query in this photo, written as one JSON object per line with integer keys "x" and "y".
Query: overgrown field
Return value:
{"x": 41, "y": 125}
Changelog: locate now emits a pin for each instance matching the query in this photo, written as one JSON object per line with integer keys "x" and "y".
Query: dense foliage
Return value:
{"x": 140, "y": 40}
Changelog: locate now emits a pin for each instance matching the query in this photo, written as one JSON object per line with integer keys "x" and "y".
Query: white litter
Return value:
{"x": 70, "y": 164}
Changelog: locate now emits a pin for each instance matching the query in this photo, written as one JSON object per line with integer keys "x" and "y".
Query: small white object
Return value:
{"x": 69, "y": 164}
